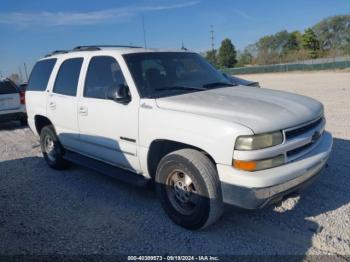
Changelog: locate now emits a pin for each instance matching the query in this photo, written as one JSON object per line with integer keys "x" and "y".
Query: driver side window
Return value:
{"x": 103, "y": 73}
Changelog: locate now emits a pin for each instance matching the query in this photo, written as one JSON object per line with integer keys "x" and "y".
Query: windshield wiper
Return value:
{"x": 179, "y": 88}
{"x": 217, "y": 84}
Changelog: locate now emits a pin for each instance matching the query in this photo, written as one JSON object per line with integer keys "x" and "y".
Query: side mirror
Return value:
{"x": 119, "y": 93}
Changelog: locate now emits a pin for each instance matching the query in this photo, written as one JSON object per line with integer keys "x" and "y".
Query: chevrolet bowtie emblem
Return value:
{"x": 315, "y": 137}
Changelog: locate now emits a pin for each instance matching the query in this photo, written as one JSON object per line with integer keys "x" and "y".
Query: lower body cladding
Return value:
{"x": 253, "y": 190}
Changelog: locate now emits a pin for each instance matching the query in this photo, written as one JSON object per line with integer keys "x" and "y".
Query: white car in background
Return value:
{"x": 171, "y": 118}
{"x": 12, "y": 102}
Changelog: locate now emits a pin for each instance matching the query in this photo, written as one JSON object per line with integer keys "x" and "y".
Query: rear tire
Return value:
{"x": 189, "y": 189}
{"x": 51, "y": 148}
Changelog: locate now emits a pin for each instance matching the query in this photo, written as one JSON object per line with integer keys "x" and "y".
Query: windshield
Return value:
{"x": 161, "y": 74}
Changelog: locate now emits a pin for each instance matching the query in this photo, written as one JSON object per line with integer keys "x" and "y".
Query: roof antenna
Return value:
{"x": 144, "y": 32}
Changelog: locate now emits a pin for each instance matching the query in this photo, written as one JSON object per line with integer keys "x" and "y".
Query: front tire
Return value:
{"x": 189, "y": 189}
{"x": 51, "y": 148}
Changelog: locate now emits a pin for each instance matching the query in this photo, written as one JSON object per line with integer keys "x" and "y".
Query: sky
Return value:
{"x": 31, "y": 29}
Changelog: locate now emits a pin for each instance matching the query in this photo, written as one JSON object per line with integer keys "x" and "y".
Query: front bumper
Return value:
{"x": 252, "y": 190}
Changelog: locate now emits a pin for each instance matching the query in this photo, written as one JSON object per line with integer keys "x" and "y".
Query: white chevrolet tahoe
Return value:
{"x": 169, "y": 117}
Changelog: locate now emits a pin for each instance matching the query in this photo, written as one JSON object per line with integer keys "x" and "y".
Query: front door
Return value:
{"x": 108, "y": 130}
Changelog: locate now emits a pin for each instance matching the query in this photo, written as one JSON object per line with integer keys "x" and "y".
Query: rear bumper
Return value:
{"x": 253, "y": 190}
{"x": 12, "y": 116}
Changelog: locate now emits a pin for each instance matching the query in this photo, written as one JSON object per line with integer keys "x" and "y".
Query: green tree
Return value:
{"x": 211, "y": 57}
{"x": 227, "y": 54}
{"x": 293, "y": 42}
{"x": 329, "y": 37}
{"x": 311, "y": 43}
{"x": 333, "y": 32}
{"x": 280, "y": 41}
{"x": 245, "y": 58}
{"x": 266, "y": 50}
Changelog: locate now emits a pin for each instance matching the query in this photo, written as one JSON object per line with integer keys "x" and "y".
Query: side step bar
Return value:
{"x": 106, "y": 169}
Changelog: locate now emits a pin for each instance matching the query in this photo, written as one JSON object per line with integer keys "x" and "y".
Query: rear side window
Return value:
{"x": 40, "y": 75}
{"x": 103, "y": 72}
{"x": 67, "y": 78}
{"x": 7, "y": 87}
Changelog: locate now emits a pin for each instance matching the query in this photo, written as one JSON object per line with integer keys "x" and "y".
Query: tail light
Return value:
{"x": 22, "y": 97}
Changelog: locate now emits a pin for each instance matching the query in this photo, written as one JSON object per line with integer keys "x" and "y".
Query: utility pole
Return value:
{"x": 183, "y": 46}
{"x": 25, "y": 70}
{"x": 144, "y": 32}
{"x": 212, "y": 37}
{"x": 20, "y": 74}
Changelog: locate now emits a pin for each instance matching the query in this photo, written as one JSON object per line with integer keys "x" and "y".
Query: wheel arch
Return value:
{"x": 161, "y": 147}
{"x": 40, "y": 122}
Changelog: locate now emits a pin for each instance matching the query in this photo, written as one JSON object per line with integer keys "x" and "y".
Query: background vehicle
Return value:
{"x": 12, "y": 102}
{"x": 170, "y": 117}
{"x": 23, "y": 87}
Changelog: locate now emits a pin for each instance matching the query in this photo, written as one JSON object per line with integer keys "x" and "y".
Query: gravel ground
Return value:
{"x": 77, "y": 211}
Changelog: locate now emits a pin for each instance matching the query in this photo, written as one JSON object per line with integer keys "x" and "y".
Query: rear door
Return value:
{"x": 62, "y": 102}
{"x": 40, "y": 80}
{"x": 9, "y": 96}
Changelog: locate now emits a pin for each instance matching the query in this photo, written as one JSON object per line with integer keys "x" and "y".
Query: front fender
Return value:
{"x": 215, "y": 136}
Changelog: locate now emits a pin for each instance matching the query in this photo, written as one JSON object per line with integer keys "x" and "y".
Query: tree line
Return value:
{"x": 328, "y": 38}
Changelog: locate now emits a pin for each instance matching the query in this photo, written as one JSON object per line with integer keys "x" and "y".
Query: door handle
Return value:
{"x": 52, "y": 105}
{"x": 83, "y": 110}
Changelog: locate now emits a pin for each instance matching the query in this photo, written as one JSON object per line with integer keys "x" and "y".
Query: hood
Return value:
{"x": 262, "y": 110}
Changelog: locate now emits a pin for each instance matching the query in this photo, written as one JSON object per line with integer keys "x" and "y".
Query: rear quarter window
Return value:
{"x": 40, "y": 75}
{"x": 7, "y": 87}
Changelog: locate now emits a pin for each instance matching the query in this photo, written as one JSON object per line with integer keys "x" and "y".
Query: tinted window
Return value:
{"x": 40, "y": 75}
{"x": 103, "y": 72}
{"x": 7, "y": 87}
{"x": 170, "y": 73}
{"x": 68, "y": 76}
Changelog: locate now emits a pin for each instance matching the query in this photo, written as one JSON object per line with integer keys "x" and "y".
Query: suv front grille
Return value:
{"x": 301, "y": 130}
{"x": 310, "y": 133}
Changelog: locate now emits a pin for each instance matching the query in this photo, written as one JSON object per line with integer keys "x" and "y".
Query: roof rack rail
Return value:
{"x": 98, "y": 47}
{"x": 57, "y": 52}
{"x": 86, "y": 48}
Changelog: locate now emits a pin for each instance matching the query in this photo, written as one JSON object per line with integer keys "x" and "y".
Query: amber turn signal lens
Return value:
{"x": 258, "y": 164}
{"x": 244, "y": 165}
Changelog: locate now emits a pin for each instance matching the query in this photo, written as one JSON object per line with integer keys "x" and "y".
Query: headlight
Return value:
{"x": 258, "y": 164}
{"x": 258, "y": 141}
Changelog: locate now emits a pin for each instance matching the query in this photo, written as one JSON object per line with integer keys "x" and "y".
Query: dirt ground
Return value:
{"x": 77, "y": 211}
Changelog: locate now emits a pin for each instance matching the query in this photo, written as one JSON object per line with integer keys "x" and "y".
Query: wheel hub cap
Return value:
{"x": 50, "y": 148}
{"x": 181, "y": 192}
